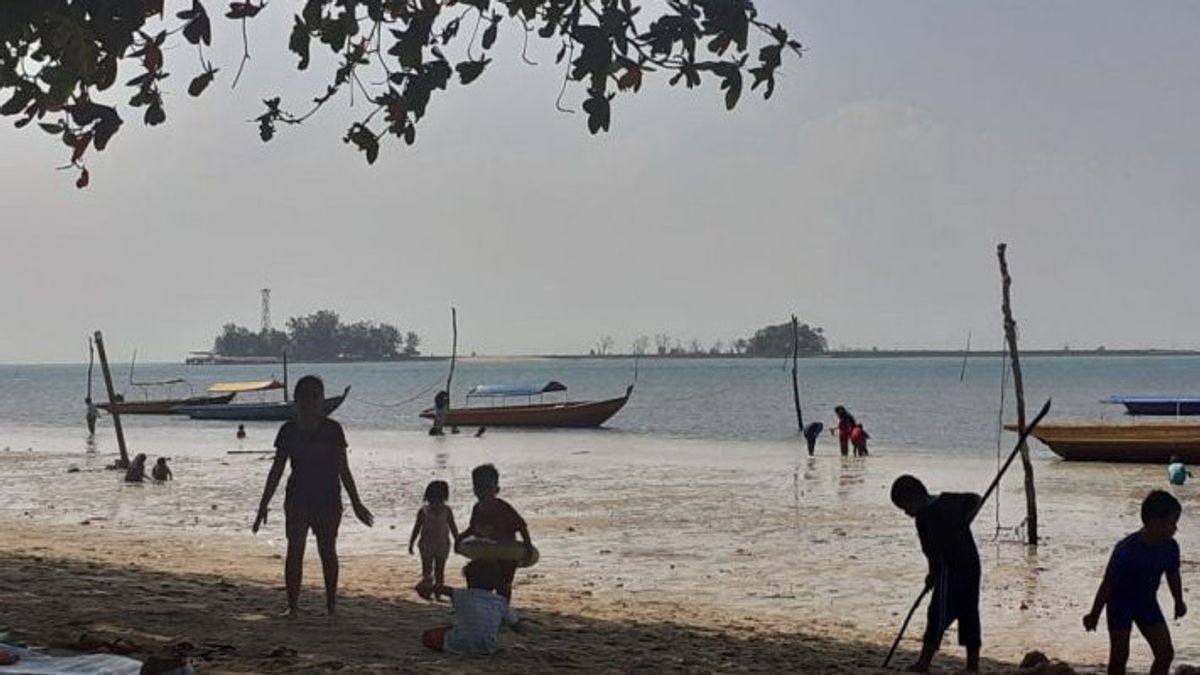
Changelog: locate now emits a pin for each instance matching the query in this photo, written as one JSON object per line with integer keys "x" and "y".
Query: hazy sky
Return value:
{"x": 868, "y": 197}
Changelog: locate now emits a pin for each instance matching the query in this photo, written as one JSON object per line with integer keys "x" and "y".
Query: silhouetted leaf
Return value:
{"x": 155, "y": 114}
{"x": 83, "y": 180}
{"x": 299, "y": 43}
{"x": 243, "y": 10}
{"x": 365, "y": 140}
{"x": 201, "y": 81}
{"x": 468, "y": 71}
{"x": 489, "y": 35}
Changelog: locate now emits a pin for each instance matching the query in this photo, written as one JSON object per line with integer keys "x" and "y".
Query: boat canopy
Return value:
{"x": 527, "y": 389}
{"x": 243, "y": 387}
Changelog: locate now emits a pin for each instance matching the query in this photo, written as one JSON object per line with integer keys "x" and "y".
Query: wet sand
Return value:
{"x": 657, "y": 555}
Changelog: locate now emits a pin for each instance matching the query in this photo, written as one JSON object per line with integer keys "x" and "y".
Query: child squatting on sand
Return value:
{"x": 1130, "y": 587}
{"x": 944, "y": 528}
{"x": 434, "y": 527}
{"x": 478, "y": 612}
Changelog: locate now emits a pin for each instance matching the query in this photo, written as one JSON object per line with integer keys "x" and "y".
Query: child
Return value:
{"x": 161, "y": 471}
{"x": 316, "y": 448}
{"x": 1177, "y": 472}
{"x": 944, "y": 528}
{"x": 495, "y": 519}
{"x": 478, "y": 612}
{"x": 858, "y": 437}
{"x": 441, "y": 406}
{"x": 1130, "y": 586}
{"x": 136, "y": 473}
{"x": 241, "y": 432}
{"x": 435, "y": 526}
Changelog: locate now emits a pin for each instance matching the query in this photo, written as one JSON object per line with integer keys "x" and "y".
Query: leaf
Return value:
{"x": 17, "y": 103}
{"x": 54, "y": 129}
{"x": 155, "y": 114}
{"x": 365, "y": 139}
{"x": 632, "y": 79}
{"x": 80, "y": 147}
{"x": 243, "y": 10}
{"x": 489, "y": 36}
{"x": 199, "y": 28}
{"x": 201, "y": 81}
{"x": 732, "y": 84}
{"x": 468, "y": 71}
{"x": 83, "y": 180}
{"x": 298, "y": 43}
{"x": 599, "y": 113}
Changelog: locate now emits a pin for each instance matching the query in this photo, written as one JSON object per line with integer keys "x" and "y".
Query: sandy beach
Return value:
{"x": 658, "y": 555}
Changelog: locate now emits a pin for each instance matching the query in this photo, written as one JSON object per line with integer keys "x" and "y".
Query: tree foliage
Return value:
{"x": 777, "y": 340}
{"x": 59, "y": 59}
{"x": 320, "y": 336}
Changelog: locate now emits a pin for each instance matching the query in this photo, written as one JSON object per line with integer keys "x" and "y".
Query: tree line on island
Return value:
{"x": 320, "y": 336}
{"x": 766, "y": 341}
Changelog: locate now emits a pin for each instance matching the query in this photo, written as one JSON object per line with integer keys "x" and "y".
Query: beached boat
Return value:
{"x": 1158, "y": 405}
{"x": 1146, "y": 443}
{"x": 574, "y": 414}
{"x": 264, "y": 411}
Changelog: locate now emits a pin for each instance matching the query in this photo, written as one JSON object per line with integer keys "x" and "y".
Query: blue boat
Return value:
{"x": 1158, "y": 405}
{"x": 265, "y": 411}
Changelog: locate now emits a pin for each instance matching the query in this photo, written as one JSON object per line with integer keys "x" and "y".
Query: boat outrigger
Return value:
{"x": 564, "y": 413}
{"x": 265, "y": 411}
{"x": 161, "y": 405}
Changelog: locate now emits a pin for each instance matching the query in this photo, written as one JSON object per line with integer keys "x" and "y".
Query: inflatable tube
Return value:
{"x": 479, "y": 548}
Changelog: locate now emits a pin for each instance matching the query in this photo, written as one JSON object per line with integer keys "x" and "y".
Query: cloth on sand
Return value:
{"x": 32, "y": 663}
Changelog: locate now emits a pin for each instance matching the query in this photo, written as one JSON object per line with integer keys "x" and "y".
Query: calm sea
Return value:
{"x": 907, "y": 404}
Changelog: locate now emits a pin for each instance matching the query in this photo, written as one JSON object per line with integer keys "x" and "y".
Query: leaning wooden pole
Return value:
{"x": 795, "y": 377}
{"x": 1010, "y": 336}
{"x": 453, "y": 350}
{"x": 123, "y": 463}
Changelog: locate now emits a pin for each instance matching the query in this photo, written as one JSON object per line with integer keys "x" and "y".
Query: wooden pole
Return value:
{"x": 285, "y": 378}
{"x": 795, "y": 378}
{"x": 963, "y": 372}
{"x": 453, "y": 350}
{"x": 1010, "y": 335}
{"x": 123, "y": 462}
{"x": 91, "y": 361}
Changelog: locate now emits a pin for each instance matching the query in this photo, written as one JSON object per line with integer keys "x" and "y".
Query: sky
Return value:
{"x": 867, "y": 196}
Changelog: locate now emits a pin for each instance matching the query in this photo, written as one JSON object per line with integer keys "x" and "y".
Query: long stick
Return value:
{"x": 91, "y": 360}
{"x": 112, "y": 400}
{"x": 795, "y": 381}
{"x": 963, "y": 373}
{"x": 1010, "y": 334}
{"x": 991, "y": 488}
{"x": 453, "y": 347}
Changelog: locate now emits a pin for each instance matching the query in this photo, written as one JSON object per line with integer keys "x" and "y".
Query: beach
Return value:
{"x": 658, "y": 555}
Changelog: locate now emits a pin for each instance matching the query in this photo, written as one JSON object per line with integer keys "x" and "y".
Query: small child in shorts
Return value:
{"x": 1130, "y": 587}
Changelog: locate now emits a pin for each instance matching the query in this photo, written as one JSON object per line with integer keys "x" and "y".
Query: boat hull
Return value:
{"x": 281, "y": 411}
{"x": 166, "y": 406}
{"x": 1133, "y": 443}
{"x": 1163, "y": 407}
{"x": 570, "y": 414}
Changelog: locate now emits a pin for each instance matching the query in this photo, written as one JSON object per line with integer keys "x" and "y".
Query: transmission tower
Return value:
{"x": 266, "y": 310}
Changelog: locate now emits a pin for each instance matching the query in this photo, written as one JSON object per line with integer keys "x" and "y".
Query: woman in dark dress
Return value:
{"x": 316, "y": 448}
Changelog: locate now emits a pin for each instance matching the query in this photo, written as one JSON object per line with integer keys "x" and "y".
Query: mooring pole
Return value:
{"x": 123, "y": 463}
{"x": 795, "y": 377}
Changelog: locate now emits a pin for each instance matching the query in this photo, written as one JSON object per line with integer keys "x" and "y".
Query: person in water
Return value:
{"x": 91, "y": 415}
{"x": 435, "y": 529}
{"x": 944, "y": 529}
{"x": 495, "y": 519}
{"x": 161, "y": 472}
{"x": 241, "y": 432}
{"x": 858, "y": 438}
{"x": 441, "y": 407}
{"x": 1177, "y": 472}
{"x": 136, "y": 473}
{"x": 1129, "y": 590}
{"x": 844, "y": 428}
{"x": 316, "y": 448}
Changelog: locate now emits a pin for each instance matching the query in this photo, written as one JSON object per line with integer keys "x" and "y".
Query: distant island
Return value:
{"x": 320, "y": 336}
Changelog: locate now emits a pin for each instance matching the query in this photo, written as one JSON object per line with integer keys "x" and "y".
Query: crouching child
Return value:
{"x": 478, "y": 612}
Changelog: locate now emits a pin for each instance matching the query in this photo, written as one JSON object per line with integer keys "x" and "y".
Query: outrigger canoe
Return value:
{"x": 1158, "y": 405}
{"x": 265, "y": 411}
{"x": 1146, "y": 443}
{"x": 566, "y": 414}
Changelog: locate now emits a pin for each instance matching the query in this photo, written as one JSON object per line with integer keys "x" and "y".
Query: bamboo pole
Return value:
{"x": 123, "y": 462}
{"x": 1010, "y": 335}
{"x": 453, "y": 351}
{"x": 91, "y": 361}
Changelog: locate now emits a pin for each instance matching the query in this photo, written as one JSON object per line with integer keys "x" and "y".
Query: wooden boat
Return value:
{"x": 265, "y": 411}
{"x": 1146, "y": 443}
{"x": 1158, "y": 405}
{"x": 567, "y": 414}
{"x": 162, "y": 406}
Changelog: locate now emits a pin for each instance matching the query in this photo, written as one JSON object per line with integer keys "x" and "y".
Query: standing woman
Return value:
{"x": 845, "y": 427}
{"x": 316, "y": 447}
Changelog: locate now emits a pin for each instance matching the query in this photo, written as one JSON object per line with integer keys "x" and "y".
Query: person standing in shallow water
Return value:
{"x": 845, "y": 427}
{"x": 316, "y": 447}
